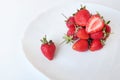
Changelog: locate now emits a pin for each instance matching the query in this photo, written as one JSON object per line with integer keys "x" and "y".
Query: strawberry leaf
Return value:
{"x": 108, "y": 22}
{"x": 103, "y": 42}
{"x": 82, "y": 7}
{"x": 44, "y": 40}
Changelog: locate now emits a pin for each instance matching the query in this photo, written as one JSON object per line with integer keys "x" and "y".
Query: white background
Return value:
{"x": 15, "y": 16}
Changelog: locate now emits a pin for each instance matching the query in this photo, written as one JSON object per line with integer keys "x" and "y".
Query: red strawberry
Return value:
{"x": 95, "y": 24}
{"x": 71, "y": 31}
{"x": 75, "y": 37}
{"x": 48, "y": 48}
{"x": 108, "y": 29}
{"x": 81, "y": 45}
{"x": 96, "y": 45}
{"x": 70, "y": 22}
{"x": 82, "y": 17}
{"x": 82, "y": 34}
{"x": 97, "y": 35}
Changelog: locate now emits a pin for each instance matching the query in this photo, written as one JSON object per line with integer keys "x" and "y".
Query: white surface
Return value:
{"x": 69, "y": 64}
{"x": 15, "y": 15}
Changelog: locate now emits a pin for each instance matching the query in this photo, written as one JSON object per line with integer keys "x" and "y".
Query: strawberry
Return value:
{"x": 97, "y": 35}
{"x": 96, "y": 45}
{"x": 82, "y": 17}
{"x": 95, "y": 24}
{"x": 70, "y": 22}
{"x": 82, "y": 34}
{"x": 48, "y": 48}
{"x": 75, "y": 37}
{"x": 107, "y": 31}
{"x": 81, "y": 45}
{"x": 86, "y": 31}
{"x": 71, "y": 31}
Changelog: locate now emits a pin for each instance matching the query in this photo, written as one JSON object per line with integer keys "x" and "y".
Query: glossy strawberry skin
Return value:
{"x": 82, "y": 34}
{"x": 70, "y": 22}
{"x": 82, "y": 17}
{"x": 81, "y": 45}
{"x": 48, "y": 49}
{"x": 96, "y": 45}
{"x": 97, "y": 35}
{"x": 108, "y": 28}
{"x": 71, "y": 31}
{"x": 95, "y": 24}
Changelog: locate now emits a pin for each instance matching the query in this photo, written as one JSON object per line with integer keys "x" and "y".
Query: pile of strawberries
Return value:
{"x": 87, "y": 31}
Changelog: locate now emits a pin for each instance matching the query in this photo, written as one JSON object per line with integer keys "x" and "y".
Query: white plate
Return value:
{"x": 69, "y": 64}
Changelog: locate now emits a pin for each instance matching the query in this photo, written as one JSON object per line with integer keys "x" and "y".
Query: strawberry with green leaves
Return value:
{"x": 107, "y": 31}
{"x": 72, "y": 33}
{"x": 48, "y": 48}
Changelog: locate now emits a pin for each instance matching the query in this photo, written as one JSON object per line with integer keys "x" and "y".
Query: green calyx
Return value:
{"x": 103, "y": 42}
{"x": 82, "y": 7}
{"x": 68, "y": 39}
{"x": 104, "y": 30}
{"x": 44, "y": 40}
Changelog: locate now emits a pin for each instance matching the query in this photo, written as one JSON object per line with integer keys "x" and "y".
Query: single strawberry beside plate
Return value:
{"x": 48, "y": 48}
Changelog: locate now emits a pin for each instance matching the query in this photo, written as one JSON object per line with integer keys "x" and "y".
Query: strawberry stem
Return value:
{"x": 61, "y": 43}
{"x": 64, "y": 15}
